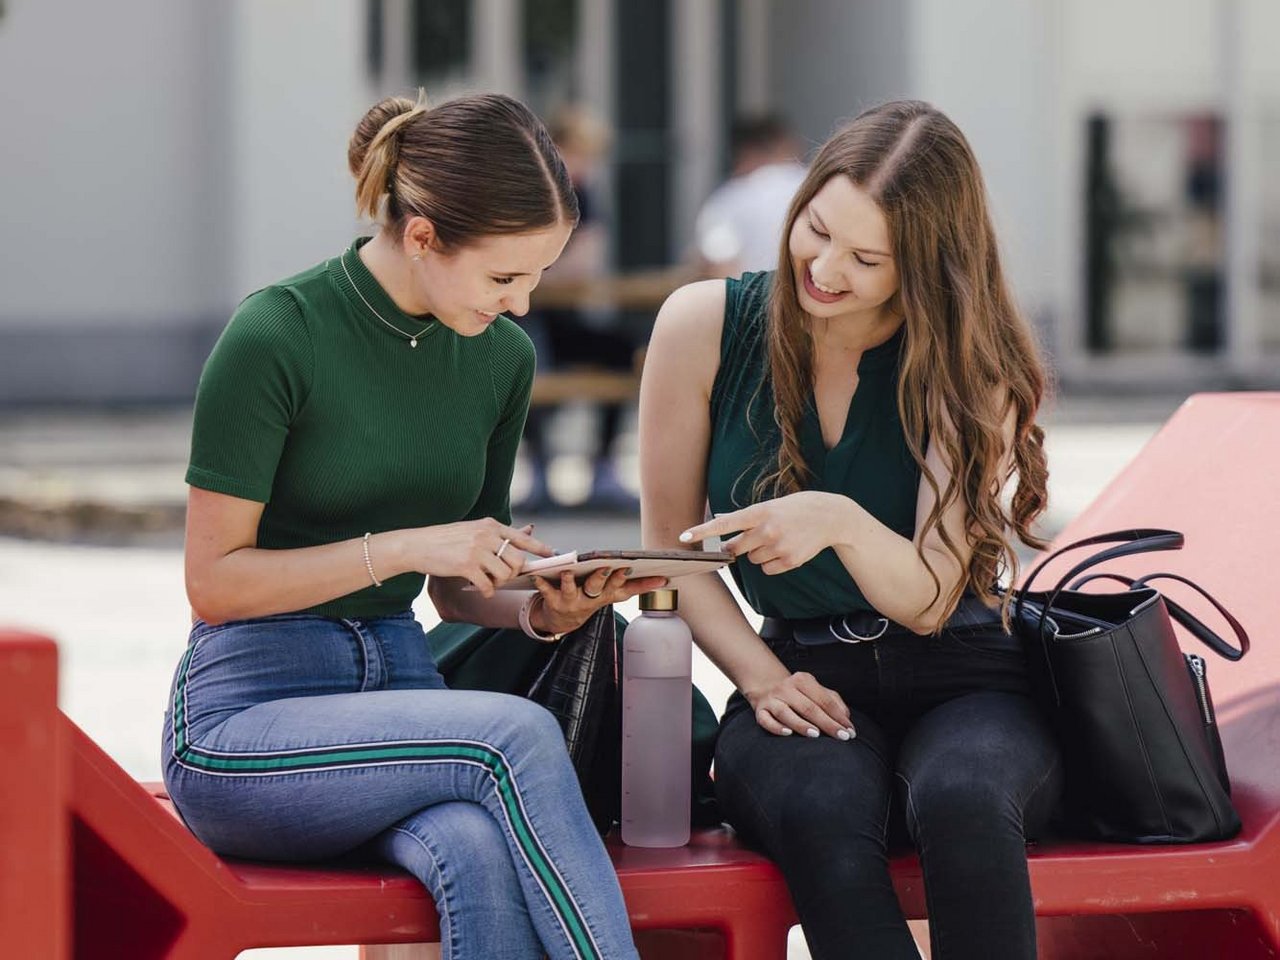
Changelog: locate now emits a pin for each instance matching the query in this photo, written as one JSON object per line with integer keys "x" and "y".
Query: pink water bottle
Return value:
{"x": 657, "y": 719}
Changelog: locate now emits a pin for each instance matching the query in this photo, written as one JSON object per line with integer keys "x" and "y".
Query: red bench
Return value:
{"x": 144, "y": 888}
{"x": 34, "y": 876}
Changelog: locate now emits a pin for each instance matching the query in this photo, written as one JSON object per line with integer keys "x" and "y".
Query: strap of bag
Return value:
{"x": 1179, "y": 613}
{"x": 1140, "y": 540}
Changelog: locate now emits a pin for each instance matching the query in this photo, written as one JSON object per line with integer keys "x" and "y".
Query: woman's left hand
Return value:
{"x": 778, "y": 535}
{"x": 571, "y": 604}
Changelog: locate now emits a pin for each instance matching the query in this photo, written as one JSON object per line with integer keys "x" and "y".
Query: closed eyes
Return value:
{"x": 827, "y": 236}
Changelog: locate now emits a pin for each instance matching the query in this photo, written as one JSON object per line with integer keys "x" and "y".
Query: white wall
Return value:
{"x": 1139, "y": 52}
{"x": 988, "y": 65}
{"x": 159, "y": 160}
{"x": 831, "y": 59}
{"x": 298, "y": 89}
{"x": 107, "y": 123}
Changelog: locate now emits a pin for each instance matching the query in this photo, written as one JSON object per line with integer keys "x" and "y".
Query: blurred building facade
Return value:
{"x": 160, "y": 160}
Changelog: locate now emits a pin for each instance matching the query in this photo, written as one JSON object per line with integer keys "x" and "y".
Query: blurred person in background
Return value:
{"x": 355, "y": 434}
{"x": 852, "y": 419}
{"x": 740, "y": 225}
{"x": 574, "y": 337}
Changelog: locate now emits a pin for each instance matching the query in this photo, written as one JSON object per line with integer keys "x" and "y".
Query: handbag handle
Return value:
{"x": 1139, "y": 540}
{"x": 1179, "y": 613}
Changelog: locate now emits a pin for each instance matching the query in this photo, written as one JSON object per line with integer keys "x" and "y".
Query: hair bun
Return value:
{"x": 377, "y": 117}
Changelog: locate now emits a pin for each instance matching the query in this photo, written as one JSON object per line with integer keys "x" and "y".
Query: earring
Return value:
{"x": 416, "y": 256}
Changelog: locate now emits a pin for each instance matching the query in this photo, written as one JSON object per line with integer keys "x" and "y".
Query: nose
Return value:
{"x": 517, "y": 304}
{"x": 825, "y": 271}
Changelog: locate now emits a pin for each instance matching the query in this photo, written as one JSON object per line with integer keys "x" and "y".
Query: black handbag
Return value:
{"x": 1144, "y": 760}
{"x": 579, "y": 685}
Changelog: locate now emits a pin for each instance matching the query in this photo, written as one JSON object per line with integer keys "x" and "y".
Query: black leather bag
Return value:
{"x": 1144, "y": 761}
{"x": 579, "y": 685}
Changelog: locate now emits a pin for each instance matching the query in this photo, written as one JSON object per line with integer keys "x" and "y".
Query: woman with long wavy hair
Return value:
{"x": 854, "y": 419}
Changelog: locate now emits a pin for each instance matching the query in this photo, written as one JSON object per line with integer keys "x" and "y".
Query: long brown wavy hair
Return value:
{"x": 969, "y": 356}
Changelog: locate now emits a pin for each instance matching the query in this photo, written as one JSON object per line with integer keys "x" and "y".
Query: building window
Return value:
{"x": 441, "y": 32}
{"x": 549, "y": 45}
{"x": 1155, "y": 263}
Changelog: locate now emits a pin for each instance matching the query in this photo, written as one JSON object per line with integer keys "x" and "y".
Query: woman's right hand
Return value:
{"x": 800, "y": 704}
{"x": 469, "y": 549}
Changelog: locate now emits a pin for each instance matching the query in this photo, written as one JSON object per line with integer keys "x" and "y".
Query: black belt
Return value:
{"x": 861, "y": 626}
{"x": 866, "y": 626}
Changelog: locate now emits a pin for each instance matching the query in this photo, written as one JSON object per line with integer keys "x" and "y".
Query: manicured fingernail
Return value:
{"x": 787, "y": 731}
{"x": 852, "y": 733}
{"x": 812, "y": 732}
{"x": 686, "y": 537}
{"x": 626, "y": 572}
{"x": 842, "y": 734}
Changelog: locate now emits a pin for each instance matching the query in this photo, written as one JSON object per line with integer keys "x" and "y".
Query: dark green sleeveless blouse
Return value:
{"x": 870, "y": 464}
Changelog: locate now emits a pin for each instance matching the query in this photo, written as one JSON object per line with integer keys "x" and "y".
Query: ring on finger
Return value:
{"x": 592, "y": 596}
{"x": 505, "y": 543}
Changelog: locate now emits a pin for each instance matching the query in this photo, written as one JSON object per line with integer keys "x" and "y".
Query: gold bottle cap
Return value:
{"x": 660, "y": 600}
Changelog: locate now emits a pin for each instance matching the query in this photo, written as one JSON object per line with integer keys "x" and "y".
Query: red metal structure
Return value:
{"x": 145, "y": 888}
{"x": 34, "y": 875}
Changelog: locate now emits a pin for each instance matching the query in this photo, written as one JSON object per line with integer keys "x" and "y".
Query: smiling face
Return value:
{"x": 466, "y": 289}
{"x": 841, "y": 255}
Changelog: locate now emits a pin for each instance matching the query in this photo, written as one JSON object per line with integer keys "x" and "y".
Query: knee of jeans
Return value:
{"x": 832, "y": 813}
{"x": 958, "y": 796}
{"x": 472, "y": 836}
{"x": 533, "y": 727}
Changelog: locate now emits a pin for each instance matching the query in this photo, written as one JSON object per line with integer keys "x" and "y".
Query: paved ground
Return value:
{"x": 104, "y": 491}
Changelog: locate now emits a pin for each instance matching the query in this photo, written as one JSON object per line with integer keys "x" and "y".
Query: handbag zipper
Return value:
{"x": 1202, "y": 693}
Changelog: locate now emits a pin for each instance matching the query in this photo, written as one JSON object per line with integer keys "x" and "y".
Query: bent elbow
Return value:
{"x": 205, "y": 604}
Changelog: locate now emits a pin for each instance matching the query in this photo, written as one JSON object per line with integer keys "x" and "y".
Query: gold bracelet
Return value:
{"x": 368, "y": 564}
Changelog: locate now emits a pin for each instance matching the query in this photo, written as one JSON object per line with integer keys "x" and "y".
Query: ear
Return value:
{"x": 420, "y": 237}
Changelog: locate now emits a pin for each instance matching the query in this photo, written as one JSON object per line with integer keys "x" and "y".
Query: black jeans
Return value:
{"x": 945, "y": 725}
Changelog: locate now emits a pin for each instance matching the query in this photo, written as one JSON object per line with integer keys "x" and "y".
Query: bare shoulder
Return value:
{"x": 687, "y": 331}
{"x": 701, "y": 297}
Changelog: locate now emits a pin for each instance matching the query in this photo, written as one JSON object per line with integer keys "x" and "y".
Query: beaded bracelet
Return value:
{"x": 368, "y": 564}
{"x": 527, "y": 626}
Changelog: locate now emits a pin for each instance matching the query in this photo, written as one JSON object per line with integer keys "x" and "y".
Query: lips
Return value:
{"x": 812, "y": 290}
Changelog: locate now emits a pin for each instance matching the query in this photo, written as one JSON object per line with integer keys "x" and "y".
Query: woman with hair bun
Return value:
{"x": 355, "y": 434}
{"x": 853, "y": 419}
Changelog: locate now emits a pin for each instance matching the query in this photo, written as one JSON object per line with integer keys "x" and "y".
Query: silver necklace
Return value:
{"x": 412, "y": 338}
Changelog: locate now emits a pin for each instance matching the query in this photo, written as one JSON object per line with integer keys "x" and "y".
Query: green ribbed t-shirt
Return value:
{"x": 870, "y": 463}
{"x": 313, "y": 406}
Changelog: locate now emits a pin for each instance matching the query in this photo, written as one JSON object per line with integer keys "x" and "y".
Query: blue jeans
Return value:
{"x": 301, "y": 738}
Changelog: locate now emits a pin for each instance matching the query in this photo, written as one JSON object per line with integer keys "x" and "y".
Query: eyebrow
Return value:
{"x": 875, "y": 253}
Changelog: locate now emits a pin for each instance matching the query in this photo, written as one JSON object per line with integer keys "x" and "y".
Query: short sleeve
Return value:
{"x": 254, "y": 384}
